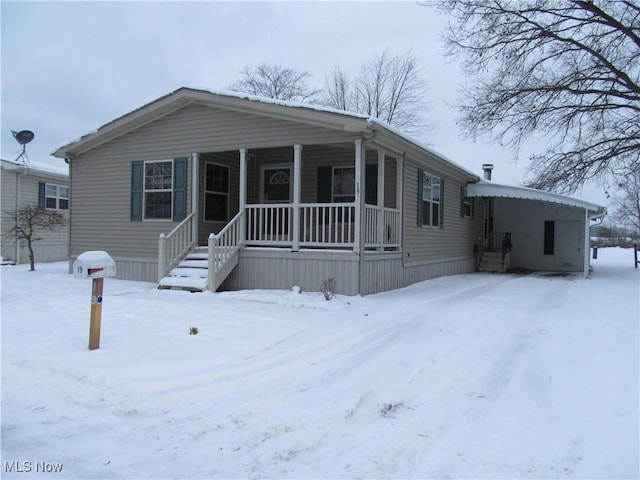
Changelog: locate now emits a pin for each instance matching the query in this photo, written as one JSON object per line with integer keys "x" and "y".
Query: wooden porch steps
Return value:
{"x": 191, "y": 274}
{"x": 494, "y": 262}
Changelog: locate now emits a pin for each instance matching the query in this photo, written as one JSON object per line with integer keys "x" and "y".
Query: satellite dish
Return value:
{"x": 23, "y": 136}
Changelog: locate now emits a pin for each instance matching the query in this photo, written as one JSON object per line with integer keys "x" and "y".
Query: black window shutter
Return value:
{"x": 371, "y": 184}
{"x": 420, "y": 186}
{"x": 324, "y": 184}
{"x": 42, "y": 201}
{"x": 441, "y": 202}
{"x": 462, "y": 198}
{"x": 137, "y": 179}
{"x": 179, "y": 189}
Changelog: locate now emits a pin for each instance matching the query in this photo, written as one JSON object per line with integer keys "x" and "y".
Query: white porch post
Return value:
{"x": 587, "y": 243}
{"x": 242, "y": 194}
{"x": 297, "y": 179}
{"x": 380, "y": 232}
{"x": 358, "y": 209}
{"x": 399, "y": 190}
{"x": 195, "y": 162}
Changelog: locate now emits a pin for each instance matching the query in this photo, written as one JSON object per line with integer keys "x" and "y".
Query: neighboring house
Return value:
{"x": 204, "y": 190}
{"x": 30, "y": 184}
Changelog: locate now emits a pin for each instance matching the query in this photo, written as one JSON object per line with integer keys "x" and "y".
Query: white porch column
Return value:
{"x": 242, "y": 194}
{"x": 380, "y": 233}
{"x": 359, "y": 174}
{"x": 195, "y": 163}
{"x": 399, "y": 198}
{"x": 586, "y": 243}
{"x": 297, "y": 188}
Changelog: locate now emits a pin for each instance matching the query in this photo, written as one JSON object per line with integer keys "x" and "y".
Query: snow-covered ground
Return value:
{"x": 482, "y": 376}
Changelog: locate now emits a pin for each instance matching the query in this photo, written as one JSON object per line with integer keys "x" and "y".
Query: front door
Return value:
{"x": 276, "y": 184}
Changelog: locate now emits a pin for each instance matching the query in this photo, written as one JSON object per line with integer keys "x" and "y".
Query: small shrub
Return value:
{"x": 193, "y": 331}
{"x": 328, "y": 288}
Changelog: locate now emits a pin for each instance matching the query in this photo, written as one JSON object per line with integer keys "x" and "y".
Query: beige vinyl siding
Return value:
{"x": 458, "y": 235}
{"x": 102, "y": 177}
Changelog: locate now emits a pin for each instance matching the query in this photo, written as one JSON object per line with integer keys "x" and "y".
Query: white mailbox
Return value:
{"x": 94, "y": 264}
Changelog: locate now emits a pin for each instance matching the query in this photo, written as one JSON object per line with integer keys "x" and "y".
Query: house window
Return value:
{"x": 56, "y": 197}
{"x": 344, "y": 184}
{"x": 158, "y": 189}
{"x": 216, "y": 208}
{"x": 549, "y": 236}
{"x": 430, "y": 200}
{"x": 466, "y": 207}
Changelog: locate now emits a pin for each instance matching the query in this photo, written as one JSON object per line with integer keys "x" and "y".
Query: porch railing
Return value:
{"x": 498, "y": 241}
{"x": 270, "y": 224}
{"x": 321, "y": 225}
{"x": 327, "y": 225}
{"x": 382, "y": 227}
{"x": 175, "y": 245}
{"x": 222, "y": 247}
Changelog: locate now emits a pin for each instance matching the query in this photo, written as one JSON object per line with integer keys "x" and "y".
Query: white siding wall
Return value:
{"x": 525, "y": 220}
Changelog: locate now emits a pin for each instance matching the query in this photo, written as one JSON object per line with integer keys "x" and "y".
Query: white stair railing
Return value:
{"x": 222, "y": 247}
{"x": 175, "y": 245}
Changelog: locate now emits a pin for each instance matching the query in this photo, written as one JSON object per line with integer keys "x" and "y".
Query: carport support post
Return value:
{"x": 587, "y": 243}
{"x": 96, "y": 313}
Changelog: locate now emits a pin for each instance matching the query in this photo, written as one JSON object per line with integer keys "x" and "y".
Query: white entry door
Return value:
{"x": 569, "y": 245}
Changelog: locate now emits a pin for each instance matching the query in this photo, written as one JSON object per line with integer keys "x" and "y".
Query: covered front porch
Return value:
{"x": 301, "y": 198}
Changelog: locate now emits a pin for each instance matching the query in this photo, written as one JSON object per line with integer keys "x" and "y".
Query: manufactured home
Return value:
{"x": 27, "y": 184}
{"x": 204, "y": 190}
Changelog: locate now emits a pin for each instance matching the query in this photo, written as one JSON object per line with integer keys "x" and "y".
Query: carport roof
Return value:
{"x": 495, "y": 190}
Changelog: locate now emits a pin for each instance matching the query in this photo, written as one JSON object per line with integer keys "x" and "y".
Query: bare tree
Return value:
{"x": 28, "y": 222}
{"x": 388, "y": 87}
{"x": 275, "y": 81}
{"x": 626, "y": 204}
{"x": 337, "y": 92}
{"x": 567, "y": 71}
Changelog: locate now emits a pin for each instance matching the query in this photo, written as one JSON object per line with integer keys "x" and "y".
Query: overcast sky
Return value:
{"x": 70, "y": 67}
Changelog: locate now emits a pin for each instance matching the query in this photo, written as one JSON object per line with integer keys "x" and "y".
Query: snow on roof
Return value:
{"x": 56, "y": 168}
{"x": 368, "y": 120}
{"x": 489, "y": 189}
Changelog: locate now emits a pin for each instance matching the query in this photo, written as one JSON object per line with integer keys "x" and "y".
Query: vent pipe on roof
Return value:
{"x": 487, "y": 167}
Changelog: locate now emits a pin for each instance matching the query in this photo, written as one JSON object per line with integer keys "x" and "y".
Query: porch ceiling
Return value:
{"x": 495, "y": 190}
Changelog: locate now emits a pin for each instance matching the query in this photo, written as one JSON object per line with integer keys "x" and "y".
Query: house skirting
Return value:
{"x": 276, "y": 268}
{"x": 309, "y": 269}
{"x": 129, "y": 268}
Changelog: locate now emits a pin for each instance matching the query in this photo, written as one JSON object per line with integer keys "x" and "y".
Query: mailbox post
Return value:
{"x": 95, "y": 265}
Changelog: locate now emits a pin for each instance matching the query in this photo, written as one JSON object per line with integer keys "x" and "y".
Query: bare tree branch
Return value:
{"x": 28, "y": 222}
{"x": 275, "y": 81}
{"x": 568, "y": 72}
{"x": 388, "y": 87}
